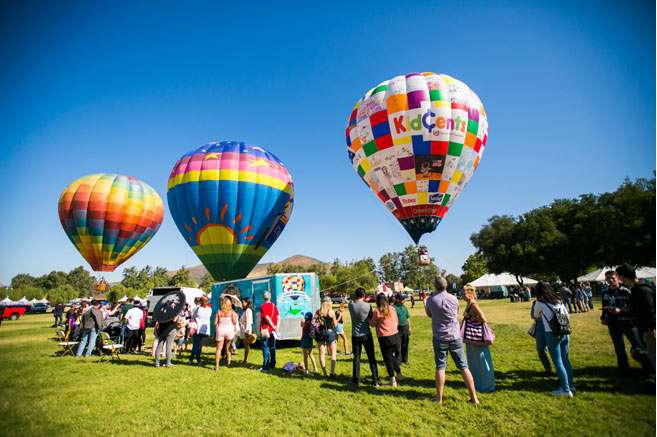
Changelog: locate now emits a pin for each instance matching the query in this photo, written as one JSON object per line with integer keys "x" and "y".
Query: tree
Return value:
{"x": 453, "y": 282}
{"x": 52, "y": 280}
{"x": 390, "y": 266}
{"x": 414, "y": 275}
{"x": 81, "y": 280}
{"x": 62, "y": 294}
{"x": 159, "y": 277}
{"x": 182, "y": 278}
{"x": 474, "y": 267}
{"x": 568, "y": 236}
{"x": 22, "y": 280}
{"x": 206, "y": 283}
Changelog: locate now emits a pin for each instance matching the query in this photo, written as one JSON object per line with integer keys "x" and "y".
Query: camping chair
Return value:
{"x": 67, "y": 346}
{"x": 109, "y": 347}
{"x": 60, "y": 336}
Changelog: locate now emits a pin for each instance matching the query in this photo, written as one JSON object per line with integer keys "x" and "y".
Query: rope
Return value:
{"x": 346, "y": 282}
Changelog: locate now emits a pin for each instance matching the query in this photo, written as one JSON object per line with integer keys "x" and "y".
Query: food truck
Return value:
{"x": 293, "y": 293}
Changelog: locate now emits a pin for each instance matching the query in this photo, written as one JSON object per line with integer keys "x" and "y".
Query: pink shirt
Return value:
{"x": 385, "y": 326}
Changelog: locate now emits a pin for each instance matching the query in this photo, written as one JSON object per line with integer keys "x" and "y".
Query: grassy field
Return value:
{"x": 44, "y": 394}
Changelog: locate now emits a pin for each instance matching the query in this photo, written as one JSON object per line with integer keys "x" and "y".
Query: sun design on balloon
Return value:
{"x": 224, "y": 232}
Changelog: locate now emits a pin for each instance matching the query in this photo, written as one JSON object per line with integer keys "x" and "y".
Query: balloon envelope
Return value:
{"x": 416, "y": 140}
{"x": 109, "y": 217}
{"x": 230, "y": 202}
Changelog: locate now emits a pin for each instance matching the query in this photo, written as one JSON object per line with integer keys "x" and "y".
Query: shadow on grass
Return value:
{"x": 587, "y": 379}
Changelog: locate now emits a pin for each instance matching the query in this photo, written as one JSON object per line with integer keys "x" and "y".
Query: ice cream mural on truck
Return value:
{"x": 293, "y": 293}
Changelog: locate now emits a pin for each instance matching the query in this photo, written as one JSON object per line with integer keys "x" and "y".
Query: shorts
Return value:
{"x": 227, "y": 333}
{"x": 306, "y": 342}
{"x": 339, "y": 329}
{"x": 331, "y": 337}
{"x": 180, "y": 341}
{"x": 455, "y": 349}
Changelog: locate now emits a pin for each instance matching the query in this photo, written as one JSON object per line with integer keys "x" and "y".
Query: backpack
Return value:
{"x": 319, "y": 329}
{"x": 559, "y": 324}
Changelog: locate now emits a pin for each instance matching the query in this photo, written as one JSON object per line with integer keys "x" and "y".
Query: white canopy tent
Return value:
{"x": 506, "y": 279}
{"x": 23, "y": 301}
{"x": 6, "y": 301}
{"x": 599, "y": 274}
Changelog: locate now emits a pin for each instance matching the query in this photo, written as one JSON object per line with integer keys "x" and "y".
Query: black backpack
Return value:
{"x": 559, "y": 323}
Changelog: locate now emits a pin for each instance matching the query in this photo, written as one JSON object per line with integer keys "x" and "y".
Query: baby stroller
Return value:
{"x": 113, "y": 328}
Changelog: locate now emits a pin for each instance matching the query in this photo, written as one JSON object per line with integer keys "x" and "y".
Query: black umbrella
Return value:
{"x": 169, "y": 306}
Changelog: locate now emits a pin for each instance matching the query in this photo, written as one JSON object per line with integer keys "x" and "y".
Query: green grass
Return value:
{"x": 44, "y": 394}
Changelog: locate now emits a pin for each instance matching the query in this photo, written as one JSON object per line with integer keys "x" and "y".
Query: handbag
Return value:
{"x": 476, "y": 333}
{"x": 264, "y": 333}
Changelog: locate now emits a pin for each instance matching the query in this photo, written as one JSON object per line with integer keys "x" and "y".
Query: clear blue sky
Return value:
{"x": 128, "y": 87}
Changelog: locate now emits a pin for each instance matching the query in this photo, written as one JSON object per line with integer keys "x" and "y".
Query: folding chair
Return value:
{"x": 67, "y": 346}
{"x": 109, "y": 347}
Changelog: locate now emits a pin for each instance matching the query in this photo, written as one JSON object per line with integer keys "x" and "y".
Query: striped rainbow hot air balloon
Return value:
{"x": 230, "y": 202}
{"x": 109, "y": 217}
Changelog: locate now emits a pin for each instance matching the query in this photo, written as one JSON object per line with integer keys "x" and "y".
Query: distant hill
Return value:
{"x": 197, "y": 272}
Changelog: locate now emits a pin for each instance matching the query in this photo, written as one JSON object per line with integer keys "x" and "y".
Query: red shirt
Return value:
{"x": 268, "y": 309}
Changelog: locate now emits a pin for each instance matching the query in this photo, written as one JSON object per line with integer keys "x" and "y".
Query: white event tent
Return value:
{"x": 23, "y": 301}
{"x": 6, "y": 301}
{"x": 506, "y": 279}
{"x": 599, "y": 274}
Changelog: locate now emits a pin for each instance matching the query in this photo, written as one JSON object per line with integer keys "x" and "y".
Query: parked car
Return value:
{"x": 13, "y": 312}
{"x": 39, "y": 308}
{"x": 337, "y": 299}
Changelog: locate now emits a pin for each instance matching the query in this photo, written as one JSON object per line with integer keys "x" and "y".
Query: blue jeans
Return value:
{"x": 268, "y": 353}
{"x": 197, "y": 346}
{"x": 89, "y": 340}
{"x": 559, "y": 348}
{"x": 568, "y": 302}
{"x": 541, "y": 346}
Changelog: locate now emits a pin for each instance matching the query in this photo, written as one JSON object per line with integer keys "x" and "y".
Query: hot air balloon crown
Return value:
{"x": 109, "y": 217}
{"x": 230, "y": 201}
{"x": 416, "y": 140}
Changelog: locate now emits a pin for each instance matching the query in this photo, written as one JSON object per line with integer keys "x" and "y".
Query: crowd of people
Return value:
{"x": 628, "y": 310}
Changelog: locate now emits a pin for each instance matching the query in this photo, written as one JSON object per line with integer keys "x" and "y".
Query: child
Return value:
{"x": 307, "y": 342}
{"x": 179, "y": 341}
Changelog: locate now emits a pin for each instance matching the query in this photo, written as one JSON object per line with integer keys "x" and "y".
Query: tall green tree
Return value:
{"x": 22, "y": 280}
{"x": 81, "y": 280}
{"x": 390, "y": 266}
{"x": 568, "y": 236}
{"x": 206, "y": 283}
{"x": 52, "y": 280}
{"x": 474, "y": 267}
{"x": 182, "y": 278}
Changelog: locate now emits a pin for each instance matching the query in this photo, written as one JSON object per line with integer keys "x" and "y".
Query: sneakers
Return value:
{"x": 562, "y": 394}
{"x": 393, "y": 382}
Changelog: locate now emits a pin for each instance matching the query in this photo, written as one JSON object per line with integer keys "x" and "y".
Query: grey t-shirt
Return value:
{"x": 360, "y": 313}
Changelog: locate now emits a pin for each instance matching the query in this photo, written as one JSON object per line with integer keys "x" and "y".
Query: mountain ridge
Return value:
{"x": 197, "y": 272}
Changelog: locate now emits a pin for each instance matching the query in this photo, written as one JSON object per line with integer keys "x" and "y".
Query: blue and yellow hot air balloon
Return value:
{"x": 230, "y": 201}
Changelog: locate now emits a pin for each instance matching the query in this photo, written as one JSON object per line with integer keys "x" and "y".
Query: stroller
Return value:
{"x": 113, "y": 328}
